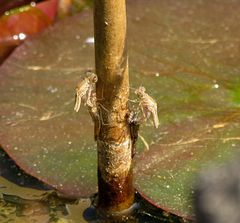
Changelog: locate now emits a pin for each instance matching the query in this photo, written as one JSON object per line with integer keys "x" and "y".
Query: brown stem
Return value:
{"x": 116, "y": 192}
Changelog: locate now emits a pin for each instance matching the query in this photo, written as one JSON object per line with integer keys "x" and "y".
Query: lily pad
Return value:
{"x": 40, "y": 130}
{"x": 185, "y": 54}
{"x": 19, "y": 23}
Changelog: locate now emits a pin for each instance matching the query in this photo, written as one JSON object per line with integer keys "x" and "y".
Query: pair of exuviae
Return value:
{"x": 86, "y": 92}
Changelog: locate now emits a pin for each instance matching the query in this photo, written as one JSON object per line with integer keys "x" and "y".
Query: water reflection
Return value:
{"x": 52, "y": 208}
{"x": 24, "y": 198}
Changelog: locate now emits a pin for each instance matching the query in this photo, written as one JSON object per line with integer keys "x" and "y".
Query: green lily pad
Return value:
{"x": 185, "y": 54}
{"x": 166, "y": 173}
{"x": 189, "y": 64}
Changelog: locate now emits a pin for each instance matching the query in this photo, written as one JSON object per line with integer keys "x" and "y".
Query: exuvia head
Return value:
{"x": 140, "y": 91}
{"x": 92, "y": 76}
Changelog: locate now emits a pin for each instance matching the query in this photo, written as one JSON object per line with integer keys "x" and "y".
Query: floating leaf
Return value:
{"x": 49, "y": 8}
{"x": 48, "y": 139}
{"x": 19, "y": 23}
{"x": 185, "y": 53}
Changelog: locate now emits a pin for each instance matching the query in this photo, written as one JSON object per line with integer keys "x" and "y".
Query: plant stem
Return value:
{"x": 116, "y": 191}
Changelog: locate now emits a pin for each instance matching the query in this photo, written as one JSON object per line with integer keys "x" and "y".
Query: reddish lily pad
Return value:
{"x": 49, "y": 8}
{"x": 19, "y": 23}
{"x": 186, "y": 55}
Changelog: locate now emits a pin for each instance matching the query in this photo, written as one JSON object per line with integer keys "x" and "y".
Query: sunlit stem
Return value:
{"x": 116, "y": 191}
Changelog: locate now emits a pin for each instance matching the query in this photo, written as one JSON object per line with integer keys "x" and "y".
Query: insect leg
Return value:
{"x": 77, "y": 102}
{"x": 144, "y": 142}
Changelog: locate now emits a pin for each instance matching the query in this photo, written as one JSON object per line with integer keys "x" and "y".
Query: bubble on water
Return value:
{"x": 33, "y": 4}
{"x": 22, "y": 36}
{"x": 15, "y": 37}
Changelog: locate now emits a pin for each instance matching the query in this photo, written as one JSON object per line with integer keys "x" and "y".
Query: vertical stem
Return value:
{"x": 116, "y": 191}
